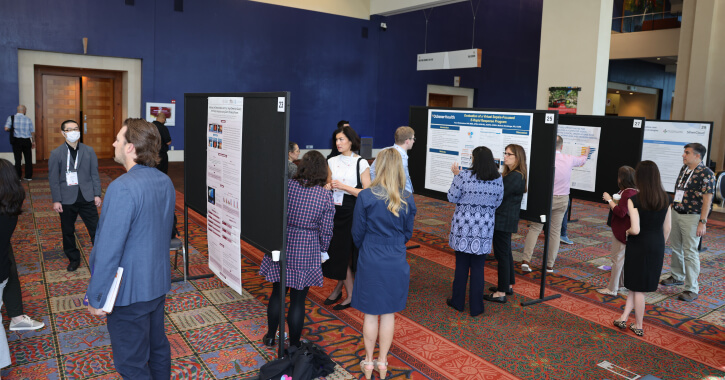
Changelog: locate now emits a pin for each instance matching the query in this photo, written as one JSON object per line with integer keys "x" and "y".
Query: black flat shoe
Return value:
{"x": 509, "y": 292}
{"x": 491, "y": 298}
{"x": 330, "y": 302}
{"x": 449, "y": 302}
{"x": 73, "y": 266}
{"x": 268, "y": 340}
{"x": 341, "y": 306}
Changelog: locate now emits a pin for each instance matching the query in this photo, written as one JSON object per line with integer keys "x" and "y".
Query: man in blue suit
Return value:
{"x": 133, "y": 233}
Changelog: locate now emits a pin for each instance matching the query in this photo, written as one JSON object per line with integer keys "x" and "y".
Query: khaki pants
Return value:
{"x": 685, "y": 256}
{"x": 558, "y": 207}
{"x": 616, "y": 278}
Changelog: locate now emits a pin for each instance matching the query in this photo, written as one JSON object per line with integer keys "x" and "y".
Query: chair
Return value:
{"x": 178, "y": 245}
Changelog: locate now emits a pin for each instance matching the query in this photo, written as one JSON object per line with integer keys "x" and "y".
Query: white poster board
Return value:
{"x": 452, "y": 136}
{"x": 664, "y": 142}
{"x": 224, "y": 182}
{"x": 576, "y": 138}
{"x": 153, "y": 109}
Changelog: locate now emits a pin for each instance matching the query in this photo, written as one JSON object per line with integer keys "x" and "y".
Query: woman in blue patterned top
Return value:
{"x": 477, "y": 192}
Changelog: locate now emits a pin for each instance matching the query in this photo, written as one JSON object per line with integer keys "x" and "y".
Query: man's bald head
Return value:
{"x": 22, "y": 109}
{"x": 161, "y": 117}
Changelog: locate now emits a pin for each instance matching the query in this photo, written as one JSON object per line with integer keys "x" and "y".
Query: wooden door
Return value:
{"x": 440, "y": 100}
{"x": 97, "y": 126}
{"x": 61, "y": 101}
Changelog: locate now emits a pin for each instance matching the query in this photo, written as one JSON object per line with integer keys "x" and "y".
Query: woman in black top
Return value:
{"x": 507, "y": 220}
{"x": 12, "y": 195}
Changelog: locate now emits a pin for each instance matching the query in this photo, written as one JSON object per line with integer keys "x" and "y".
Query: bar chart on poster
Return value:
{"x": 452, "y": 136}
{"x": 664, "y": 143}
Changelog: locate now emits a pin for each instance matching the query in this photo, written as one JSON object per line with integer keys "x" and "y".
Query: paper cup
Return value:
{"x": 616, "y": 198}
{"x": 275, "y": 255}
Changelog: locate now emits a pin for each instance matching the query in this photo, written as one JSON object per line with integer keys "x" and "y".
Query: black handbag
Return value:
{"x": 307, "y": 362}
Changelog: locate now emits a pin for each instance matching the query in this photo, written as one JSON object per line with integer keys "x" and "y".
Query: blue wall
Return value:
{"x": 646, "y": 74}
{"x": 332, "y": 72}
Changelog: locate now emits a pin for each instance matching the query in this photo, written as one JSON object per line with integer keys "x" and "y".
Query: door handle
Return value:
{"x": 85, "y": 128}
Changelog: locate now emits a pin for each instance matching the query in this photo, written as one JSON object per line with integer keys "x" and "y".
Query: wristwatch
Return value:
{"x": 703, "y": 221}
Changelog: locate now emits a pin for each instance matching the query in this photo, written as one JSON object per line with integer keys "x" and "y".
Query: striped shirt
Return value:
{"x": 23, "y": 126}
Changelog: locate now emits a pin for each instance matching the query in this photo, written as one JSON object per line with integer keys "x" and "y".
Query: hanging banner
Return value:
{"x": 224, "y": 182}
{"x": 459, "y": 59}
{"x": 564, "y": 99}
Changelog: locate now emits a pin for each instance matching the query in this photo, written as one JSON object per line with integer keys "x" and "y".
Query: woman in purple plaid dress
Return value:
{"x": 310, "y": 212}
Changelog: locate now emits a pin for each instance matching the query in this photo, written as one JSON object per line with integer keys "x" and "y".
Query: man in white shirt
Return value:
{"x": 404, "y": 140}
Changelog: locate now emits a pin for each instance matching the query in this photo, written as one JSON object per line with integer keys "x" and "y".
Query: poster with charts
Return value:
{"x": 452, "y": 136}
{"x": 576, "y": 139}
{"x": 223, "y": 181}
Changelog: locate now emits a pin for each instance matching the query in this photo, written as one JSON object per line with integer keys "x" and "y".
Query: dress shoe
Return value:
{"x": 268, "y": 340}
{"x": 449, "y": 302}
{"x": 509, "y": 292}
{"x": 491, "y": 298}
{"x": 73, "y": 266}
{"x": 636, "y": 331}
{"x": 330, "y": 302}
{"x": 341, "y": 306}
{"x": 687, "y": 296}
{"x": 621, "y": 324}
{"x": 670, "y": 281}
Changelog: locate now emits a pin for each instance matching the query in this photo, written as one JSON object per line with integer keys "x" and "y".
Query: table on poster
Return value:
{"x": 223, "y": 179}
{"x": 576, "y": 139}
{"x": 452, "y": 136}
{"x": 664, "y": 142}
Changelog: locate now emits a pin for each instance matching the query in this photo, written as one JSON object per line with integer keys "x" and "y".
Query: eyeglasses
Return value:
{"x": 508, "y": 154}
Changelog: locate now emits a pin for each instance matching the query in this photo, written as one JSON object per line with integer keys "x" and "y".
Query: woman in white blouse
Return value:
{"x": 350, "y": 174}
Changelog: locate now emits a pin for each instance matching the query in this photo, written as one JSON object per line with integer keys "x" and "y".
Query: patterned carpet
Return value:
{"x": 216, "y": 333}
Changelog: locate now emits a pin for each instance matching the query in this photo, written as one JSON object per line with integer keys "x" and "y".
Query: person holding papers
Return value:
{"x": 477, "y": 192}
{"x": 350, "y": 174}
{"x": 309, "y": 228}
{"x": 133, "y": 233}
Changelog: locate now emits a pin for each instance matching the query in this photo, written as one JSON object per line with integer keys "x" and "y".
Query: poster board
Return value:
{"x": 542, "y": 131}
{"x": 619, "y": 144}
{"x": 169, "y": 109}
{"x": 665, "y": 140}
{"x": 263, "y": 195}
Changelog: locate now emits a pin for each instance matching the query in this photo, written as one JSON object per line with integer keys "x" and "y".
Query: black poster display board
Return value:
{"x": 620, "y": 143}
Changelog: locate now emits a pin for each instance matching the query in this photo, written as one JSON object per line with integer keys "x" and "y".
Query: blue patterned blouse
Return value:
{"x": 473, "y": 221}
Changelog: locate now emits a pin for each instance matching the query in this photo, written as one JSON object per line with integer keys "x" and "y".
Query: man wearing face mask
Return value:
{"x": 75, "y": 187}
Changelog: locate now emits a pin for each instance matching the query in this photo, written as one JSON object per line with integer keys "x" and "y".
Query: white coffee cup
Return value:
{"x": 275, "y": 255}
{"x": 616, "y": 198}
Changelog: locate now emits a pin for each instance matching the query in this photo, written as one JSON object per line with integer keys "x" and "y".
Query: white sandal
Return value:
{"x": 607, "y": 292}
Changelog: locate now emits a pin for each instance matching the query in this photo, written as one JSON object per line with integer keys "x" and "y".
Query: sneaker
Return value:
{"x": 687, "y": 296}
{"x": 26, "y": 324}
{"x": 670, "y": 281}
{"x": 549, "y": 270}
{"x": 566, "y": 240}
{"x": 525, "y": 267}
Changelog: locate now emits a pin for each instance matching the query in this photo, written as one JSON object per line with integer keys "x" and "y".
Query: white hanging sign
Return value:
{"x": 459, "y": 59}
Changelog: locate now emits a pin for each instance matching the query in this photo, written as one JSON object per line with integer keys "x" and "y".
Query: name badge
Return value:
{"x": 679, "y": 194}
{"x": 71, "y": 178}
{"x": 337, "y": 197}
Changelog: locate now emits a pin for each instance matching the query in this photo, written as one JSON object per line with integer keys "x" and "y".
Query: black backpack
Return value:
{"x": 12, "y": 129}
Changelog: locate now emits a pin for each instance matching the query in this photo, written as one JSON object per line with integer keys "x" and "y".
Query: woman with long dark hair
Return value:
{"x": 382, "y": 224}
{"x": 477, "y": 192}
{"x": 12, "y": 196}
{"x": 620, "y": 224}
{"x": 649, "y": 213}
{"x": 309, "y": 228}
{"x": 507, "y": 220}
{"x": 350, "y": 174}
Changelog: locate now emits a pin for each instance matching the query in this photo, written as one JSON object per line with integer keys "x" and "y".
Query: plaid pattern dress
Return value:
{"x": 310, "y": 212}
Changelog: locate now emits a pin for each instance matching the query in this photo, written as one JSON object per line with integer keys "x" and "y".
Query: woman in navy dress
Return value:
{"x": 382, "y": 224}
{"x": 477, "y": 192}
{"x": 649, "y": 214}
{"x": 309, "y": 229}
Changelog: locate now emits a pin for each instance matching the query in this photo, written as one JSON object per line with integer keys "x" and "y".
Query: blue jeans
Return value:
{"x": 564, "y": 223}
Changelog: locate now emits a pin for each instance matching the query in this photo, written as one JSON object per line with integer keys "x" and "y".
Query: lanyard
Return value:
{"x": 688, "y": 179}
{"x": 67, "y": 161}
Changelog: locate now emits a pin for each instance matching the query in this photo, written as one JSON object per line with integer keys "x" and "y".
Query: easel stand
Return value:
{"x": 541, "y": 298}
{"x": 186, "y": 252}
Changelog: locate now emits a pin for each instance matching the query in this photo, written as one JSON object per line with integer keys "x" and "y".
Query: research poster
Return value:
{"x": 576, "y": 139}
{"x": 452, "y": 136}
{"x": 223, "y": 181}
{"x": 664, "y": 142}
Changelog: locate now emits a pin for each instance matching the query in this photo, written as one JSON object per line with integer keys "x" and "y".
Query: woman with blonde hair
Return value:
{"x": 382, "y": 224}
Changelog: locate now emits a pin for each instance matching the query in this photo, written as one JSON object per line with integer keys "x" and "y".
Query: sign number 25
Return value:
{"x": 549, "y": 118}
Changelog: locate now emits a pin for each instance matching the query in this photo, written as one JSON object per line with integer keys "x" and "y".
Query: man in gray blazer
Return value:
{"x": 134, "y": 234}
{"x": 75, "y": 187}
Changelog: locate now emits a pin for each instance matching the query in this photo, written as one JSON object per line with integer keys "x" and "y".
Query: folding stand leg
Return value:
{"x": 543, "y": 272}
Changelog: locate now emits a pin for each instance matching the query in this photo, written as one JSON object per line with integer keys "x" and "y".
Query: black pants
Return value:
{"x": 502, "y": 251}
{"x": 295, "y": 317}
{"x": 12, "y": 296}
{"x": 164, "y": 163}
{"x": 23, "y": 148}
{"x": 464, "y": 263}
{"x": 140, "y": 347}
{"x": 89, "y": 215}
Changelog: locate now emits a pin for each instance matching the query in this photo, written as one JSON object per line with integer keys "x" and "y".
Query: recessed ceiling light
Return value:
{"x": 631, "y": 93}
{"x": 617, "y": 92}
{"x": 658, "y": 58}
